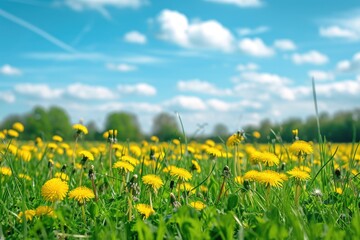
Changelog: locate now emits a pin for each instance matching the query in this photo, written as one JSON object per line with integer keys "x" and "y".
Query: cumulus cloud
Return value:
{"x": 255, "y": 47}
{"x": 186, "y": 103}
{"x": 285, "y": 45}
{"x": 252, "y": 31}
{"x": 319, "y": 75}
{"x": 240, "y": 3}
{"x": 203, "y": 87}
{"x": 42, "y": 91}
{"x": 10, "y": 70}
{"x": 135, "y": 37}
{"x": 123, "y": 67}
{"x": 143, "y": 89}
{"x": 176, "y": 28}
{"x": 247, "y": 67}
{"x": 101, "y": 5}
{"x": 347, "y": 66}
{"x": 311, "y": 57}
{"x": 7, "y": 97}
{"x": 338, "y": 32}
{"x": 344, "y": 27}
{"x": 86, "y": 92}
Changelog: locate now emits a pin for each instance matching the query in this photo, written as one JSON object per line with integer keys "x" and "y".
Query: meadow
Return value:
{"x": 179, "y": 189}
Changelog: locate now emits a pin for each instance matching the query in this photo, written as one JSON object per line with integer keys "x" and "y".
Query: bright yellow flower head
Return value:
{"x": 87, "y": 155}
{"x": 24, "y": 176}
{"x": 195, "y": 166}
{"x": 62, "y": 176}
{"x": 5, "y": 171}
{"x": 18, "y": 126}
{"x": 180, "y": 173}
{"x": 12, "y": 133}
{"x": 81, "y": 194}
{"x": 300, "y": 147}
{"x": 29, "y": 214}
{"x": 299, "y": 174}
{"x": 256, "y": 135}
{"x": 198, "y": 205}
{"x": 44, "y": 211}
{"x": 270, "y": 178}
{"x": 144, "y": 209}
{"x": 80, "y": 128}
{"x": 54, "y": 190}
{"x": 152, "y": 180}
{"x": 57, "y": 138}
{"x": 124, "y": 165}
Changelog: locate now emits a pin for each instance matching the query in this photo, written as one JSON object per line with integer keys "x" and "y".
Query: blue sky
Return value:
{"x": 230, "y": 61}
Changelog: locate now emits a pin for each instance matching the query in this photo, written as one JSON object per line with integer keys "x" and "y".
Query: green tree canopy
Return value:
{"x": 126, "y": 124}
{"x": 165, "y": 127}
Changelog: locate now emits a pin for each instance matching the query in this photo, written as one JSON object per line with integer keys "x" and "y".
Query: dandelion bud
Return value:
{"x": 63, "y": 169}
{"x": 173, "y": 201}
{"x": 172, "y": 184}
{"x": 152, "y": 154}
{"x": 226, "y": 172}
{"x": 337, "y": 173}
{"x": 246, "y": 185}
{"x": 283, "y": 165}
{"x": 317, "y": 193}
{"x": 50, "y": 163}
{"x": 92, "y": 173}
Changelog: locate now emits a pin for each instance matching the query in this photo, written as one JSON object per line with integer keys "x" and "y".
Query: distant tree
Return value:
{"x": 37, "y": 124}
{"x": 220, "y": 130}
{"x": 60, "y": 123}
{"x": 165, "y": 127}
{"x": 94, "y": 133}
{"x": 126, "y": 124}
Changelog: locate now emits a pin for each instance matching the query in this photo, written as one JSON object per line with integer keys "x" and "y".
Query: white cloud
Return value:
{"x": 255, "y": 47}
{"x": 263, "y": 78}
{"x": 338, "y": 32}
{"x": 321, "y": 75}
{"x": 311, "y": 57}
{"x": 83, "y": 91}
{"x": 240, "y": 3}
{"x": 42, "y": 91}
{"x": 7, "y": 97}
{"x": 139, "y": 89}
{"x": 100, "y": 5}
{"x": 176, "y": 28}
{"x": 203, "y": 87}
{"x": 247, "y": 67}
{"x": 186, "y": 103}
{"x": 219, "y": 105}
{"x": 135, "y": 37}
{"x": 343, "y": 88}
{"x": 352, "y": 65}
{"x": 285, "y": 44}
{"x": 10, "y": 70}
{"x": 253, "y": 31}
{"x": 123, "y": 67}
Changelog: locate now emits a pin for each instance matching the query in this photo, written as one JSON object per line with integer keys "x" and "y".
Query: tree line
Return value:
{"x": 342, "y": 126}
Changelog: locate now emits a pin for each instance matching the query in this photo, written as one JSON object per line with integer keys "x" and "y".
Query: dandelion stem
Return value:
{"x": 94, "y": 189}
{"x": 83, "y": 212}
{"x": 221, "y": 190}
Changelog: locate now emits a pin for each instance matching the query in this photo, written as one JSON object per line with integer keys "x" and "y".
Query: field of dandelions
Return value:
{"x": 177, "y": 190}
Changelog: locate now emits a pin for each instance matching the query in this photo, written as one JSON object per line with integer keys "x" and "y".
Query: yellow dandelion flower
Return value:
{"x": 198, "y": 205}
{"x": 251, "y": 175}
{"x": 25, "y": 155}
{"x": 81, "y": 194}
{"x": 130, "y": 159}
{"x": 144, "y": 209}
{"x": 18, "y": 126}
{"x": 213, "y": 152}
{"x": 57, "y": 138}
{"x": 235, "y": 139}
{"x": 29, "y": 214}
{"x": 124, "y": 165}
{"x": 195, "y": 166}
{"x": 300, "y": 147}
{"x": 256, "y": 135}
{"x": 270, "y": 178}
{"x": 44, "y": 211}
{"x": 54, "y": 190}
{"x": 152, "y": 180}
{"x": 239, "y": 180}
{"x": 269, "y": 159}
{"x": 168, "y": 168}
{"x": 306, "y": 169}
{"x": 5, "y": 171}
{"x": 80, "y": 128}
{"x": 299, "y": 174}
{"x": 135, "y": 150}
{"x": 180, "y": 173}
{"x": 2, "y": 135}
{"x": 86, "y": 155}
{"x": 154, "y": 139}
{"x": 203, "y": 189}
{"x": 176, "y": 141}
{"x": 24, "y": 176}
{"x": 62, "y": 176}
{"x": 12, "y": 133}
{"x": 210, "y": 143}
{"x": 187, "y": 187}
{"x": 339, "y": 190}
{"x": 52, "y": 146}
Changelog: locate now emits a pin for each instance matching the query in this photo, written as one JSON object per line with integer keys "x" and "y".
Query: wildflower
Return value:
{"x": 152, "y": 180}
{"x": 24, "y": 176}
{"x": 62, "y": 176}
{"x": 235, "y": 139}
{"x": 54, "y": 190}
{"x": 81, "y": 194}
{"x": 213, "y": 152}
{"x": 295, "y": 133}
{"x": 317, "y": 193}
{"x": 18, "y": 126}
{"x": 25, "y": 155}
{"x": 195, "y": 166}
{"x": 135, "y": 150}
{"x": 339, "y": 190}
{"x": 239, "y": 180}
{"x": 87, "y": 155}
{"x": 130, "y": 159}
{"x": 251, "y": 175}
{"x": 270, "y": 178}
{"x": 12, "y": 133}
{"x": 210, "y": 143}
{"x": 256, "y": 135}
{"x": 57, "y": 138}
{"x": 5, "y": 171}
{"x": 300, "y": 147}
{"x": 269, "y": 159}
{"x": 180, "y": 173}
{"x": 124, "y": 165}
{"x": 44, "y": 211}
{"x": 52, "y": 146}
{"x": 299, "y": 174}
{"x": 198, "y": 205}
{"x": 176, "y": 141}
{"x": 29, "y": 214}
{"x": 2, "y": 135}
{"x": 154, "y": 139}
{"x": 80, "y": 129}
{"x": 144, "y": 209}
